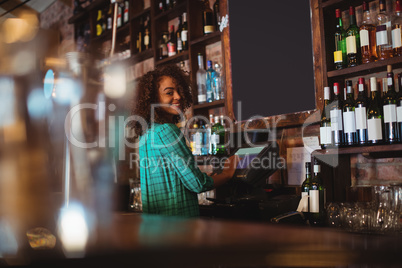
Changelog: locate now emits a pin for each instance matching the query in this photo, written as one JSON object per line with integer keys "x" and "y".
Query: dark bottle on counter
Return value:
{"x": 374, "y": 115}
{"x": 353, "y": 40}
{"x": 361, "y": 114}
{"x": 349, "y": 120}
{"x": 325, "y": 124}
{"x": 340, "y": 43}
{"x": 389, "y": 109}
{"x": 305, "y": 188}
{"x": 336, "y": 118}
{"x": 317, "y": 197}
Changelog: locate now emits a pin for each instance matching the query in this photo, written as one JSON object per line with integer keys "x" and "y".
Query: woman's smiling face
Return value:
{"x": 169, "y": 96}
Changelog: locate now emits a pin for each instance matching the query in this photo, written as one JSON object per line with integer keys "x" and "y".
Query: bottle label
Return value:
{"x": 381, "y": 35}
{"x": 202, "y": 98}
{"x": 349, "y": 122}
{"x": 325, "y": 135}
{"x": 146, "y": 40}
{"x": 389, "y": 113}
{"x": 164, "y": 50}
{"x": 361, "y": 117}
{"x": 374, "y": 129}
{"x": 125, "y": 18}
{"x": 336, "y": 120}
{"x": 351, "y": 44}
{"x": 364, "y": 38}
{"x": 399, "y": 114}
{"x": 305, "y": 204}
{"x": 215, "y": 139}
{"x": 338, "y": 56}
{"x": 184, "y": 35}
{"x": 171, "y": 49}
{"x": 209, "y": 29}
{"x": 179, "y": 44}
{"x": 396, "y": 38}
{"x": 314, "y": 201}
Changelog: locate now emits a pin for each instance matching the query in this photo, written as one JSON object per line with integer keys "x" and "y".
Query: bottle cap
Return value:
{"x": 361, "y": 84}
{"x": 336, "y": 88}
{"x": 209, "y": 64}
{"x": 373, "y": 84}
{"x": 349, "y": 86}
{"x": 326, "y": 93}
{"x": 389, "y": 68}
{"x": 338, "y": 13}
{"x": 361, "y": 80}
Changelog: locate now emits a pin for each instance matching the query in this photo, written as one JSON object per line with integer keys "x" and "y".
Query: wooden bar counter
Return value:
{"x": 136, "y": 240}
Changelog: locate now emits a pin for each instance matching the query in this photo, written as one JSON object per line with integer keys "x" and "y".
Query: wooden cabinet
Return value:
{"x": 99, "y": 46}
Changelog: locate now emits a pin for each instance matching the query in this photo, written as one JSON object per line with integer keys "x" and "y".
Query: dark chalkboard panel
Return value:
{"x": 272, "y": 60}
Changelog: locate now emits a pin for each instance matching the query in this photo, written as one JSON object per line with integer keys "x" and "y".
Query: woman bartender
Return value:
{"x": 170, "y": 178}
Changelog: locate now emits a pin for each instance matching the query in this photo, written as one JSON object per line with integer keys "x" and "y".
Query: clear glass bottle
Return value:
{"x": 349, "y": 120}
{"x": 210, "y": 82}
{"x": 201, "y": 80}
{"x": 325, "y": 124}
{"x": 383, "y": 33}
{"x": 317, "y": 197}
{"x": 367, "y": 36}
{"x": 396, "y": 30}
{"x": 353, "y": 40}
{"x": 340, "y": 43}
{"x": 361, "y": 114}
{"x": 374, "y": 115}
{"x": 389, "y": 110}
{"x": 336, "y": 118}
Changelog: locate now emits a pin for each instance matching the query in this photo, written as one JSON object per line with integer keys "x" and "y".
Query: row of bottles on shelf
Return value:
{"x": 104, "y": 19}
{"x": 164, "y": 5}
{"x": 208, "y": 138}
{"x": 174, "y": 42}
{"x": 362, "y": 121}
{"x": 313, "y": 192}
{"x": 377, "y": 38}
{"x": 210, "y": 84}
{"x": 143, "y": 38}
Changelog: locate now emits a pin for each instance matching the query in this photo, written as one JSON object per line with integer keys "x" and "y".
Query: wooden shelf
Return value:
{"x": 373, "y": 151}
{"x": 84, "y": 14}
{"x": 144, "y": 55}
{"x": 140, "y": 14}
{"x": 209, "y": 105}
{"x": 172, "y": 13}
{"x": 176, "y": 58}
{"x": 123, "y": 30}
{"x": 207, "y": 39}
{"x": 367, "y": 68}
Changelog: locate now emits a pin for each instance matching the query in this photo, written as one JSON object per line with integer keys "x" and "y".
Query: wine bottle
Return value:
{"x": 184, "y": 32}
{"x": 317, "y": 197}
{"x": 389, "y": 110}
{"x": 109, "y": 18}
{"x": 210, "y": 82}
{"x": 163, "y": 50}
{"x": 349, "y": 120}
{"x": 399, "y": 107}
{"x": 336, "y": 118}
{"x": 171, "y": 45}
{"x": 361, "y": 114}
{"x": 126, "y": 14}
{"x": 201, "y": 80}
{"x": 99, "y": 29}
{"x": 396, "y": 30}
{"x": 325, "y": 124}
{"x": 353, "y": 40}
{"x": 162, "y": 6}
{"x": 217, "y": 15}
{"x": 179, "y": 43}
{"x": 207, "y": 18}
{"x": 305, "y": 188}
{"x": 383, "y": 33}
{"x": 374, "y": 115}
{"x": 119, "y": 21}
{"x": 147, "y": 34}
{"x": 367, "y": 36}
{"x": 340, "y": 43}
{"x": 140, "y": 35}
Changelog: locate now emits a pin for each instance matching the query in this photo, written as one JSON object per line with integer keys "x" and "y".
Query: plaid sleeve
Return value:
{"x": 178, "y": 155}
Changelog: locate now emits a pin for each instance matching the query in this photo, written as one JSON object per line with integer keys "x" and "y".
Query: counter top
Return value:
{"x": 145, "y": 240}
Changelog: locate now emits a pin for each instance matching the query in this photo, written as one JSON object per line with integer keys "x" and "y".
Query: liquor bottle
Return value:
{"x": 217, "y": 15}
{"x": 217, "y": 82}
{"x": 325, "y": 124}
{"x": 201, "y": 80}
{"x": 193, "y": 138}
{"x": 139, "y": 41}
{"x": 340, "y": 43}
{"x": 126, "y": 16}
{"x": 349, "y": 120}
{"x": 374, "y": 115}
{"x": 162, "y": 6}
{"x": 317, "y": 197}
{"x": 179, "y": 45}
{"x": 99, "y": 23}
{"x": 361, "y": 114}
{"x": 198, "y": 140}
{"x": 147, "y": 34}
{"x": 305, "y": 188}
{"x": 353, "y": 40}
{"x": 204, "y": 138}
{"x": 210, "y": 82}
{"x": 207, "y": 18}
{"x": 367, "y": 36}
{"x": 396, "y": 30}
{"x": 163, "y": 50}
{"x": 383, "y": 33}
{"x": 184, "y": 32}
{"x": 218, "y": 136}
{"x": 389, "y": 110}
{"x": 336, "y": 118}
{"x": 399, "y": 107}
{"x": 171, "y": 45}
{"x": 109, "y": 18}
{"x": 212, "y": 139}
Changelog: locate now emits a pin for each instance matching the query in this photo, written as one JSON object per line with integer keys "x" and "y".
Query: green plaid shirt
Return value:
{"x": 170, "y": 178}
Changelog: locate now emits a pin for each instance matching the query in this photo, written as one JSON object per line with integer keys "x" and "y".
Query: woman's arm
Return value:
{"x": 228, "y": 171}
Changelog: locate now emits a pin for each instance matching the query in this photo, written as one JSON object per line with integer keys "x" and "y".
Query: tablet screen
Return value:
{"x": 246, "y": 155}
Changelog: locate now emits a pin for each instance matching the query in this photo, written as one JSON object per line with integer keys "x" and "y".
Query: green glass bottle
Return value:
{"x": 340, "y": 43}
{"x": 353, "y": 40}
{"x": 317, "y": 198}
{"x": 305, "y": 187}
{"x": 218, "y": 138}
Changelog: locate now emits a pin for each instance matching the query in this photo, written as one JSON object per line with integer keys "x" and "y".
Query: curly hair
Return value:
{"x": 148, "y": 94}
